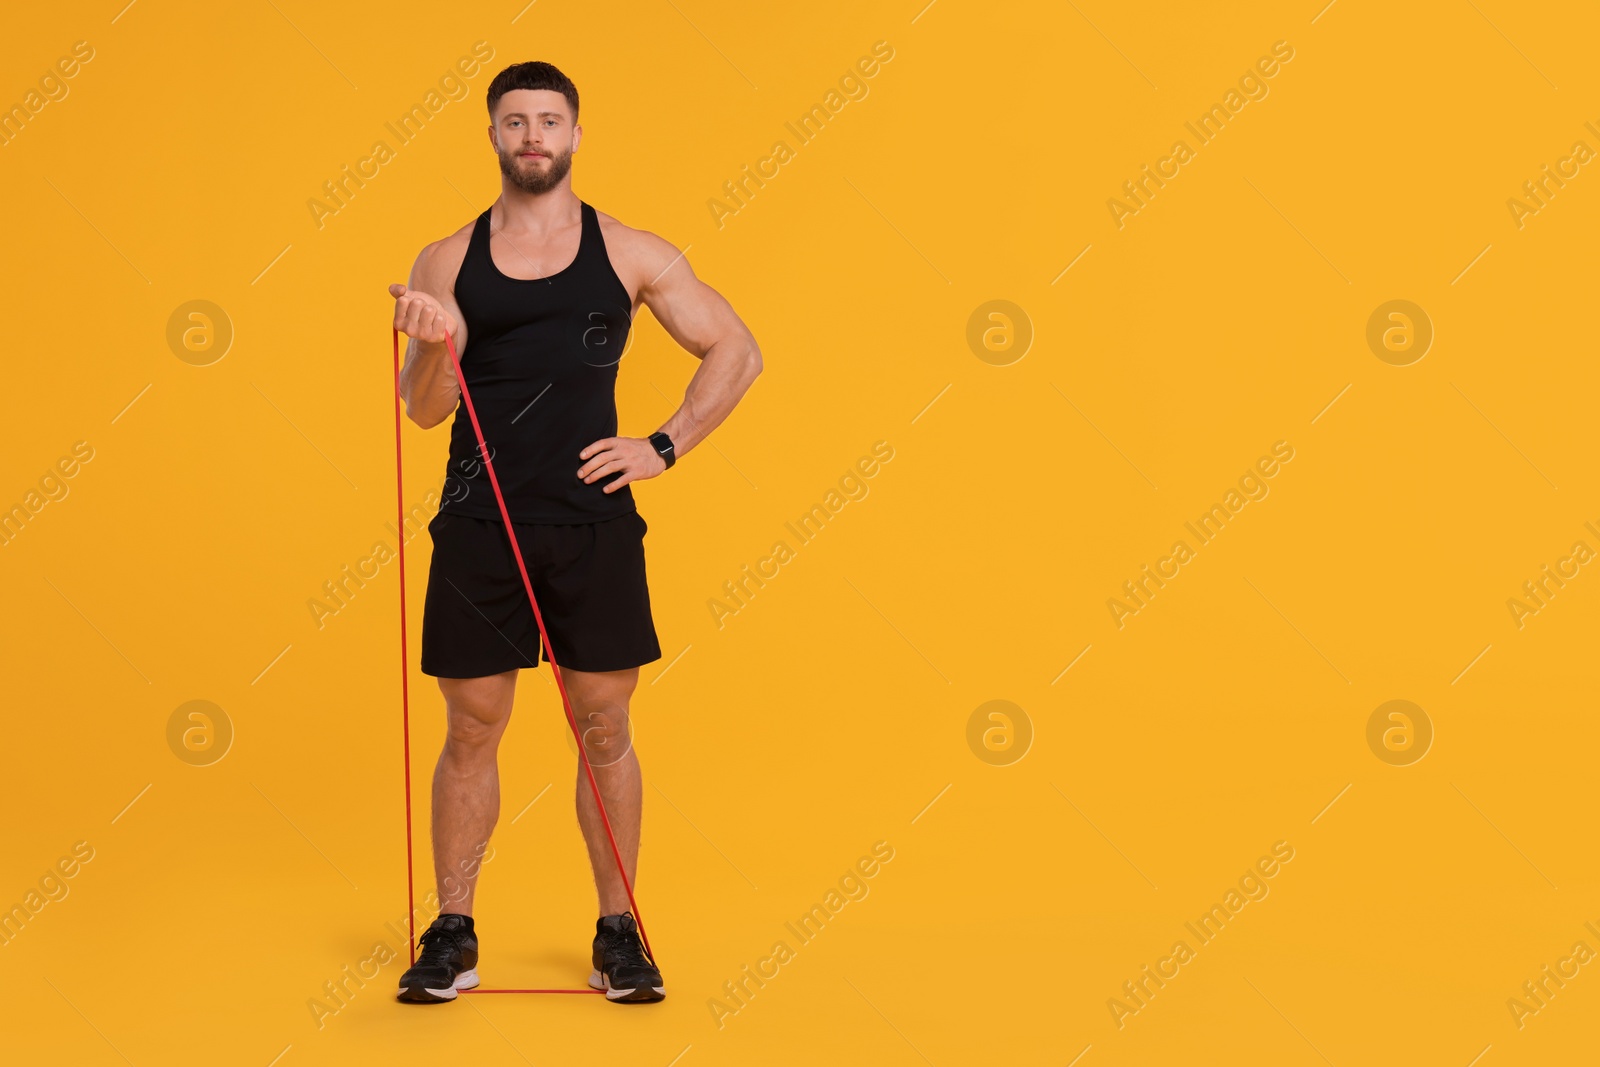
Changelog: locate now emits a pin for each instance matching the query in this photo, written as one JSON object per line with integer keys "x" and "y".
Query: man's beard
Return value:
{"x": 535, "y": 181}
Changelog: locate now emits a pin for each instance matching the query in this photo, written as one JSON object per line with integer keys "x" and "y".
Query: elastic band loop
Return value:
{"x": 527, "y": 585}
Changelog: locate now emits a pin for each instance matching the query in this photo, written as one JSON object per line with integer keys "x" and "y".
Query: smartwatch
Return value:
{"x": 663, "y": 446}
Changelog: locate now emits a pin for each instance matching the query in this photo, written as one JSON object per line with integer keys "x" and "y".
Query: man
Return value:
{"x": 538, "y": 293}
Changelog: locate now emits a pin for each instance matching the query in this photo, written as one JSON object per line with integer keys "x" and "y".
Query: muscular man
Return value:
{"x": 538, "y": 293}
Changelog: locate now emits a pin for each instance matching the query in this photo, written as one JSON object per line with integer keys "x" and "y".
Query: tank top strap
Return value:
{"x": 478, "y": 244}
{"x": 592, "y": 243}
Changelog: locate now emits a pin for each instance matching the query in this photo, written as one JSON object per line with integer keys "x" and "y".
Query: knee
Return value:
{"x": 469, "y": 732}
{"x": 477, "y": 711}
{"x": 607, "y": 731}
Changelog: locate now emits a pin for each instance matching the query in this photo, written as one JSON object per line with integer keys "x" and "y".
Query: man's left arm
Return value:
{"x": 702, "y": 321}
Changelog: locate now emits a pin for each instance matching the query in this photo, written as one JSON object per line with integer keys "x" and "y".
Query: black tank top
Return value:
{"x": 541, "y": 363}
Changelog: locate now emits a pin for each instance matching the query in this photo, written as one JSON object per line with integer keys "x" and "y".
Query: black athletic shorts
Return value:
{"x": 589, "y": 579}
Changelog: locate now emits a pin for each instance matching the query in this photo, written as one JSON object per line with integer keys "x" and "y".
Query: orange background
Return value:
{"x": 1040, "y": 860}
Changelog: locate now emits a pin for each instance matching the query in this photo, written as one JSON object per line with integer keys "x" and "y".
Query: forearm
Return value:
{"x": 724, "y": 375}
{"x": 428, "y": 384}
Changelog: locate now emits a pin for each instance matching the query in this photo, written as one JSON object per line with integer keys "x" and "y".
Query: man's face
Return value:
{"x": 534, "y": 136}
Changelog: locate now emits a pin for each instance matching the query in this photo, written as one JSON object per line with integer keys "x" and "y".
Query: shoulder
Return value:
{"x": 638, "y": 256}
{"x": 440, "y": 261}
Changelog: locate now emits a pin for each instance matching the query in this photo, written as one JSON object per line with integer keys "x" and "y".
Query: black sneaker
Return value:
{"x": 621, "y": 967}
{"x": 448, "y": 962}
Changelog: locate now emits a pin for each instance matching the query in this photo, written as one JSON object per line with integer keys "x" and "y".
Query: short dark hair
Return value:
{"x": 532, "y": 75}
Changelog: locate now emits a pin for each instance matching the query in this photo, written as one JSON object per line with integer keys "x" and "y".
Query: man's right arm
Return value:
{"x": 425, "y": 310}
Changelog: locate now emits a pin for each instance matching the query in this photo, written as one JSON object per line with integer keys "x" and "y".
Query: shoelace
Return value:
{"x": 438, "y": 945}
{"x": 626, "y": 949}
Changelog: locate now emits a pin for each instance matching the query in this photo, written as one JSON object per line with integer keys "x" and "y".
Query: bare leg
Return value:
{"x": 600, "y": 704}
{"x": 466, "y": 783}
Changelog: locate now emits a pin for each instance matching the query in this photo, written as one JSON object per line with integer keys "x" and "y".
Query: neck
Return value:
{"x": 536, "y": 212}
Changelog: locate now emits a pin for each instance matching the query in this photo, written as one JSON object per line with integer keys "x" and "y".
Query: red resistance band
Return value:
{"x": 405, "y": 694}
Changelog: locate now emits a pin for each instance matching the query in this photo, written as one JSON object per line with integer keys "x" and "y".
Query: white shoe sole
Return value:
{"x": 599, "y": 981}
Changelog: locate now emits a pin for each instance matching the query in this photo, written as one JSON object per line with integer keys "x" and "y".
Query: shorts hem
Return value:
{"x": 457, "y": 672}
{"x": 629, "y": 661}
